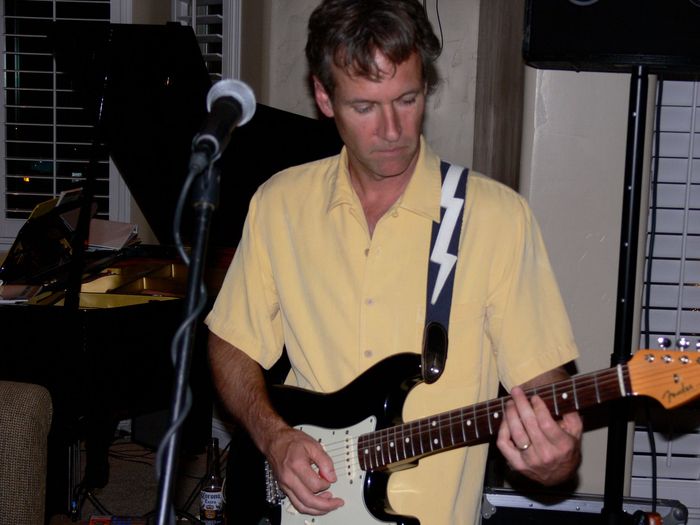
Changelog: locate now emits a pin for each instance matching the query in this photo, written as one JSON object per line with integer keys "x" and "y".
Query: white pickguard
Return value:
{"x": 350, "y": 482}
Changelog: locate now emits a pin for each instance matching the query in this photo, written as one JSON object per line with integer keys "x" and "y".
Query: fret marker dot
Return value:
{"x": 434, "y": 423}
{"x": 495, "y": 415}
{"x": 407, "y": 440}
{"x": 469, "y": 422}
{"x": 366, "y": 451}
{"x": 391, "y": 444}
{"x": 378, "y": 447}
{"x": 565, "y": 396}
{"x": 435, "y": 441}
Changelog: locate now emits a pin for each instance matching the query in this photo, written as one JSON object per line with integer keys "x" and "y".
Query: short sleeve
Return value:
{"x": 528, "y": 324}
{"x": 246, "y": 312}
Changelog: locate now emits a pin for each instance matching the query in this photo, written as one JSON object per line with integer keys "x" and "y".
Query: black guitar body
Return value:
{"x": 379, "y": 392}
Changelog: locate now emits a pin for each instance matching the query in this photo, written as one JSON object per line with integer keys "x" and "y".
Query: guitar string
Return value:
{"x": 443, "y": 420}
{"x": 605, "y": 380}
{"x": 451, "y": 417}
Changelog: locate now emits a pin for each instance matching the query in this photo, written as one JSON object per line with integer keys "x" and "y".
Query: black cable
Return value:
{"x": 437, "y": 14}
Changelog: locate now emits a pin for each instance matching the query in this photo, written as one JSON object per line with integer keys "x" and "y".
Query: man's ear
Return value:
{"x": 323, "y": 99}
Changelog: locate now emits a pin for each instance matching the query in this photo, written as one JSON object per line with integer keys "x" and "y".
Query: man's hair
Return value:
{"x": 348, "y": 33}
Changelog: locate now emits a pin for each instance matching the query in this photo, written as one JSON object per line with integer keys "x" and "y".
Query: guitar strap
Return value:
{"x": 444, "y": 246}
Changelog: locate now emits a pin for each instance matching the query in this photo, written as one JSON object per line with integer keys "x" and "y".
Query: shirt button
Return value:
{"x": 368, "y": 354}
{"x": 366, "y": 252}
{"x": 369, "y": 301}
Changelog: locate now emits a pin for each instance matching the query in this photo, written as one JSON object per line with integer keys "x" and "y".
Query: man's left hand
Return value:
{"x": 535, "y": 444}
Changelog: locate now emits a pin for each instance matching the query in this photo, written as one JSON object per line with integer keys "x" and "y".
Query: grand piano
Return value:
{"x": 109, "y": 357}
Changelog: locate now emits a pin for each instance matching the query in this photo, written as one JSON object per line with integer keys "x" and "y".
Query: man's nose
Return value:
{"x": 390, "y": 123}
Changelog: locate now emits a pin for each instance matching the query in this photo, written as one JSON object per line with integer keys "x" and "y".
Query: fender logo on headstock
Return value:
{"x": 684, "y": 389}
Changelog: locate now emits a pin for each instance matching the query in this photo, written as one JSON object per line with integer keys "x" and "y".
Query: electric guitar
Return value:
{"x": 360, "y": 427}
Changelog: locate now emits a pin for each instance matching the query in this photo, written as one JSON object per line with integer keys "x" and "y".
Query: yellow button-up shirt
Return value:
{"x": 308, "y": 275}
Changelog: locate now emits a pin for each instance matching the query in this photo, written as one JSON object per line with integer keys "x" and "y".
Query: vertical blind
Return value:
{"x": 673, "y": 240}
{"x": 671, "y": 305}
{"x": 207, "y": 19}
{"x": 47, "y": 132}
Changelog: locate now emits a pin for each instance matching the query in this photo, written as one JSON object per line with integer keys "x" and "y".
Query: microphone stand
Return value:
{"x": 205, "y": 200}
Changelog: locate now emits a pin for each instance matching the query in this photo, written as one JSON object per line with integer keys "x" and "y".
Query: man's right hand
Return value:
{"x": 303, "y": 470}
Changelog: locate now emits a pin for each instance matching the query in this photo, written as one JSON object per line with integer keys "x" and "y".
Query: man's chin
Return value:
{"x": 389, "y": 170}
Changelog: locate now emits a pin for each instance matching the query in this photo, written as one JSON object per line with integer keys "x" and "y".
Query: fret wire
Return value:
{"x": 446, "y": 429}
{"x": 422, "y": 429}
{"x": 488, "y": 417}
{"x": 503, "y": 407}
{"x": 605, "y": 385}
{"x": 420, "y": 433}
{"x": 429, "y": 435}
{"x": 554, "y": 398}
{"x": 463, "y": 425}
{"x": 452, "y": 436}
{"x": 382, "y": 448}
{"x": 597, "y": 391}
{"x": 394, "y": 445}
{"x": 413, "y": 440}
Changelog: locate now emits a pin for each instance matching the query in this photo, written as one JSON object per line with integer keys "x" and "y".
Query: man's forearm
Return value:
{"x": 552, "y": 376}
{"x": 241, "y": 387}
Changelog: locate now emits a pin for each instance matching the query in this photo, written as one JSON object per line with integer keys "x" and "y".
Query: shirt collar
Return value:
{"x": 422, "y": 195}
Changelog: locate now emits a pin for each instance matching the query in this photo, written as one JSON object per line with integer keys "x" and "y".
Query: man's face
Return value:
{"x": 379, "y": 121}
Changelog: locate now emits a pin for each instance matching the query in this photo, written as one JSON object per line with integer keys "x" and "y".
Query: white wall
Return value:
{"x": 573, "y": 161}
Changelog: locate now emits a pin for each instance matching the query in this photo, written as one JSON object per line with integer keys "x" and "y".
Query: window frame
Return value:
{"x": 119, "y": 196}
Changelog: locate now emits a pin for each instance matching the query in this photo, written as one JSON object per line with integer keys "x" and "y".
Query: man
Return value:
{"x": 332, "y": 265}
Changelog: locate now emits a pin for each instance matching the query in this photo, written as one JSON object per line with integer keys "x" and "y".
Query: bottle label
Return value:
{"x": 212, "y": 507}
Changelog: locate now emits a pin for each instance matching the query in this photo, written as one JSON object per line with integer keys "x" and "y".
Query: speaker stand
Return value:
{"x": 627, "y": 272}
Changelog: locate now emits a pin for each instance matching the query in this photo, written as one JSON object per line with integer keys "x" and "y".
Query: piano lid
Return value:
{"x": 146, "y": 85}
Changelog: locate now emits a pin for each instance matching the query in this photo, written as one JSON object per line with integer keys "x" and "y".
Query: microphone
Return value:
{"x": 230, "y": 103}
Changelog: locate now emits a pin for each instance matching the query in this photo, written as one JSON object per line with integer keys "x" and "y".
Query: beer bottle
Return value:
{"x": 211, "y": 510}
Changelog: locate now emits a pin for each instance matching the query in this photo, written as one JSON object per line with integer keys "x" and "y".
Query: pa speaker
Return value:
{"x": 613, "y": 35}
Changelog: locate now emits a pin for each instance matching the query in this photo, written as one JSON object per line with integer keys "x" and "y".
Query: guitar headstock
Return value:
{"x": 672, "y": 377}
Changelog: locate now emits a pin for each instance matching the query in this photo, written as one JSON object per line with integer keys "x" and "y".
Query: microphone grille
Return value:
{"x": 239, "y": 91}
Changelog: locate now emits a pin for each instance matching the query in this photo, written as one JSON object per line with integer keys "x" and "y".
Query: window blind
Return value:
{"x": 47, "y": 133}
{"x": 673, "y": 226}
{"x": 671, "y": 308}
{"x": 206, "y": 17}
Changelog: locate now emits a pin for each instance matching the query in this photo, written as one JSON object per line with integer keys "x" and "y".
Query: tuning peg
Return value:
{"x": 683, "y": 343}
{"x": 665, "y": 342}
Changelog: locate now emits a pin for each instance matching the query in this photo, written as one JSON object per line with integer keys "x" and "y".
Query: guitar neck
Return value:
{"x": 477, "y": 423}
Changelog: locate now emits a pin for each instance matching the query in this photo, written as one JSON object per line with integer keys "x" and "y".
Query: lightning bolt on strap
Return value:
{"x": 444, "y": 243}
